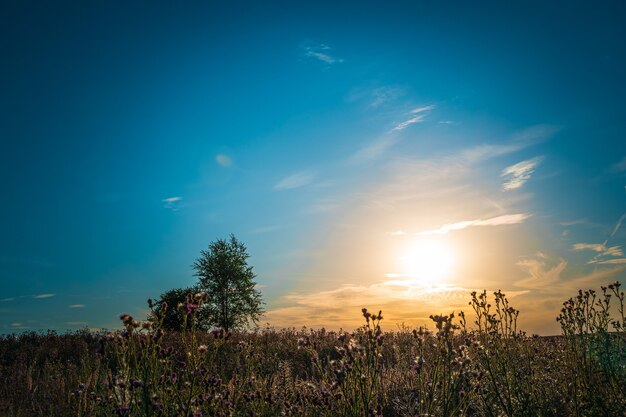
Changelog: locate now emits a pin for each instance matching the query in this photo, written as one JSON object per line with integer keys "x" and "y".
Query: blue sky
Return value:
{"x": 335, "y": 140}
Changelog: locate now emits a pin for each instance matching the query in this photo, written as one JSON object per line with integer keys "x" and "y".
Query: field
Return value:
{"x": 482, "y": 367}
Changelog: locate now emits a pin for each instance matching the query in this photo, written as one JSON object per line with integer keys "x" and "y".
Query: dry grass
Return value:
{"x": 486, "y": 368}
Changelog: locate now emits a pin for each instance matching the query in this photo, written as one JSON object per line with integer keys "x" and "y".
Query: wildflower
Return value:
{"x": 191, "y": 307}
{"x": 127, "y": 319}
{"x": 202, "y": 349}
{"x": 417, "y": 364}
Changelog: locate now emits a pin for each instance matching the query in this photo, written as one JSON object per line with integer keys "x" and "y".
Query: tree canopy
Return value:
{"x": 224, "y": 274}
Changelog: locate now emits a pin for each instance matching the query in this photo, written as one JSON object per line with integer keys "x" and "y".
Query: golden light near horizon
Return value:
{"x": 427, "y": 261}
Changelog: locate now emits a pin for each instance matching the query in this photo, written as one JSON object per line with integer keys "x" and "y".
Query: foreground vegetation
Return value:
{"x": 483, "y": 368}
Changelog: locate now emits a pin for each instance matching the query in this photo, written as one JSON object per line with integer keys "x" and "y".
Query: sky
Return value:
{"x": 393, "y": 156}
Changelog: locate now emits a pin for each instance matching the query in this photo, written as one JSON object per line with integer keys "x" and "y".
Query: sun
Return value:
{"x": 427, "y": 261}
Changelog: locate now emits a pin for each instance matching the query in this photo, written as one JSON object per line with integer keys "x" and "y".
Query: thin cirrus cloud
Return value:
{"x": 606, "y": 255}
{"x": 517, "y": 175}
{"x": 319, "y": 52}
{"x": 223, "y": 160}
{"x": 600, "y": 248}
{"x": 383, "y": 95}
{"x": 43, "y": 295}
{"x": 541, "y": 275}
{"x": 547, "y": 275}
{"x": 297, "y": 180}
{"x": 171, "y": 202}
{"x": 505, "y": 219}
{"x": 376, "y": 97}
{"x": 417, "y": 116}
{"x": 76, "y": 306}
{"x": 378, "y": 147}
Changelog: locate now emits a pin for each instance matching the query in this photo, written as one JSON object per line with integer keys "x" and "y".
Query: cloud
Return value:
{"x": 378, "y": 147}
{"x": 535, "y": 134}
{"x": 375, "y": 97}
{"x": 401, "y": 301}
{"x": 600, "y": 248}
{"x": 417, "y": 116}
{"x": 573, "y": 222}
{"x": 17, "y": 324}
{"x": 613, "y": 253}
{"x": 297, "y": 180}
{"x": 319, "y": 52}
{"x": 548, "y": 276}
{"x": 615, "y": 261}
{"x": 224, "y": 160}
{"x": 171, "y": 202}
{"x": 76, "y": 323}
{"x": 518, "y": 174}
{"x": 541, "y": 275}
{"x": 8, "y": 299}
{"x": 76, "y": 306}
{"x": 375, "y": 149}
{"x": 618, "y": 225}
{"x": 43, "y": 295}
{"x": 382, "y": 95}
{"x": 493, "y": 221}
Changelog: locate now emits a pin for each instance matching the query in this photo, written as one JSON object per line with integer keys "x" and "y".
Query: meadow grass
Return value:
{"x": 487, "y": 367}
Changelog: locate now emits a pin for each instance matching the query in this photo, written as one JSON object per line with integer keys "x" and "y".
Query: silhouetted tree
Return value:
{"x": 224, "y": 274}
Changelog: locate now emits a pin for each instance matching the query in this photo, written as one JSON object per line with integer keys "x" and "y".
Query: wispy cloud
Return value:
{"x": 609, "y": 255}
{"x": 376, "y": 148}
{"x": 493, "y": 221}
{"x": 223, "y": 160}
{"x": 76, "y": 323}
{"x": 383, "y": 95}
{"x": 416, "y": 116}
{"x": 617, "y": 226}
{"x": 43, "y": 295}
{"x": 400, "y": 300}
{"x": 319, "y": 52}
{"x": 375, "y": 97}
{"x": 548, "y": 276}
{"x": 8, "y": 299}
{"x": 517, "y": 175}
{"x": 541, "y": 275}
{"x": 535, "y": 134}
{"x": 614, "y": 261}
{"x": 171, "y": 202}
{"x": 16, "y": 324}
{"x": 600, "y": 248}
{"x": 297, "y": 180}
{"x": 76, "y": 306}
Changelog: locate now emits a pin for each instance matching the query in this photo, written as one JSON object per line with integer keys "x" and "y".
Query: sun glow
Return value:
{"x": 427, "y": 262}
